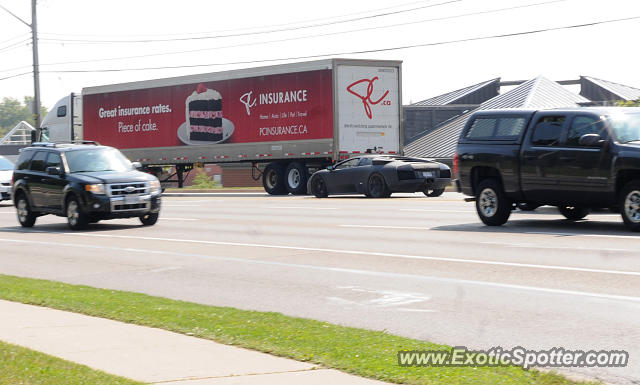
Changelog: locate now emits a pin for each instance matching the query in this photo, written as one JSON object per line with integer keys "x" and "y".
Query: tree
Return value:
{"x": 628, "y": 103}
{"x": 12, "y": 112}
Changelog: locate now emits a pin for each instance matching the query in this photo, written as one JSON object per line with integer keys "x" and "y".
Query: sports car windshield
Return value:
{"x": 5, "y": 165}
{"x": 626, "y": 127}
{"x": 97, "y": 160}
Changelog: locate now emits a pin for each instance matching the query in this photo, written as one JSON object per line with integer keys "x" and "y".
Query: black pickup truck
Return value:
{"x": 576, "y": 159}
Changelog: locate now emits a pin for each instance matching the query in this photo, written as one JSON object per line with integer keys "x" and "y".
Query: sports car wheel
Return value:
{"x": 573, "y": 213}
{"x": 433, "y": 193}
{"x": 377, "y": 187}
{"x": 319, "y": 187}
{"x": 492, "y": 205}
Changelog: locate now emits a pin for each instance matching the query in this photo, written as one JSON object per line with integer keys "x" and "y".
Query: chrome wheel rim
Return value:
{"x": 23, "y": 211}
{"x": 294, "y": 178}
{"x": 632, "y": 206}
{"x": 72, "y": 213}
{"x": 488, "y": 202}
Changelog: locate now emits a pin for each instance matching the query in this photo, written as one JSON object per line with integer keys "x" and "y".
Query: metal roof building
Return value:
{"x": 538, "y": 93}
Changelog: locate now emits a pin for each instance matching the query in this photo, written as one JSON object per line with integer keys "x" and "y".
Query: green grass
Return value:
{"x": 23, "y": 366}
{"x": 358, "y": 351}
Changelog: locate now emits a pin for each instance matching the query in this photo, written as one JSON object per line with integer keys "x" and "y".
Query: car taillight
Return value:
{"x": 456, "y": 165}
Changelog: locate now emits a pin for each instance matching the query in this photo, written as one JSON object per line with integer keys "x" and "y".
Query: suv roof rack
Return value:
{"x": 55, "y": 144}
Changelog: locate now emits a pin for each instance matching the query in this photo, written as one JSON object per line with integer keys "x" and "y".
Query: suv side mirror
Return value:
{"x": 591, "y": 140}
{"x": 54, "y": 171}
{"x": 136, "y": 165}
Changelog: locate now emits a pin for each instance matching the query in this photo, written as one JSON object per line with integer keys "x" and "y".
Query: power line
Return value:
{"x": 256, "y": 27}
{"x": 17, "y": 45}
{"x": 93, "y": 41}
{"x": 500, "y": 36}
{"x": 16, "y": 75}
{"x": 299, "y": 37}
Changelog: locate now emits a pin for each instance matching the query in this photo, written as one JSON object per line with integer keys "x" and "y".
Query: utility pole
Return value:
{"x": 36, "y": 68}
{"x": 36, "y": 65}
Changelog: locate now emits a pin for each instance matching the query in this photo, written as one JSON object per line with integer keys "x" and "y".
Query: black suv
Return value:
{"x": 84, "y": 182}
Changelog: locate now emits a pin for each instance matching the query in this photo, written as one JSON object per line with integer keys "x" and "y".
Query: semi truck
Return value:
{"x": 286, "y": 121}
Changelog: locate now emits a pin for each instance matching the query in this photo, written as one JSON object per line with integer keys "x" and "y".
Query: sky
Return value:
{"x": 444, "y": 44}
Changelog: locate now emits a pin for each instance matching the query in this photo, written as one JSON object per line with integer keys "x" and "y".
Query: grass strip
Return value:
{"x": 19, "y": 365}
{"x": 362, "y": 352}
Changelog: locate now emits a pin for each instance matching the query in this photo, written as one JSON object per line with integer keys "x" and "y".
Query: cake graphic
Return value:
{"x": 204, "y": 114}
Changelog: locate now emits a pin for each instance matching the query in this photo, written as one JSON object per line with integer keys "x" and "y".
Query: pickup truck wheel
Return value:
{"x": 377, "y": 187}
{"x": 573, "y": 213}
{"x": 296, "y": 177}
{"x": 319, "y": 187}
{"x": 149, "y": 219}
{"x": 492, "y": 205}
{"x": 76, "y": 219}
{"x": 273, "y": 179}
{"x": 433, "y": 193}
{"x": 25, "y": 216}
{"x": 630, "y": 204}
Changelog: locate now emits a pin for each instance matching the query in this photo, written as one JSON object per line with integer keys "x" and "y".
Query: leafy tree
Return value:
{"x": 202, "y": 180}
{"x": 628, "y": 103}
{"x": 12, "y": 111}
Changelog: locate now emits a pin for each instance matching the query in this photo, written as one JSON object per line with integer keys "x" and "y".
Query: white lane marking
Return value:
{"x": 387, "y": 227}
{"x": 394, "y": 276}
{"x": 534, "y": 246}
{"x": 198, "y": 200}
{"x": 300, "y": 208}
{"x": 178, "y": 219}
{"x": 7, "y": 212}
{"x": 439, "y": 211}
{"x": 416, "y": 310}
{"x": 352, "y": 252}
{"x": 163, "y": 269}
{"x": 583, "y": 235}
{"x": 173, "y": 205}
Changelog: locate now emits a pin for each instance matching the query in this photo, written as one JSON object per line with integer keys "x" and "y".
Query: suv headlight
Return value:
{"x": 154, "y": 186}
{"x": 95, "y": 188}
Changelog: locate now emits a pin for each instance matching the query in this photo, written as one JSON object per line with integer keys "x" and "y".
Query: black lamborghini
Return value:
{"x": 377, "y": 176}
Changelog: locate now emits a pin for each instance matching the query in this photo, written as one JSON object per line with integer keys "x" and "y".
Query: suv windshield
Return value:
{"x": 626, "y": 127}
{"x": 97, "y": 159}
{"x": 5, "y": 164}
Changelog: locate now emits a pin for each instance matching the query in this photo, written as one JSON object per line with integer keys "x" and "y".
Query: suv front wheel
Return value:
{"x": 76, "y": 218}
{"x": 25, "y": 216}
{"x": 630, "y": 205}
{"x": 149, "y": 219}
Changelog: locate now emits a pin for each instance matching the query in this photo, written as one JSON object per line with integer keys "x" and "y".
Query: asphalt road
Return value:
{"x": 415, "y": 266}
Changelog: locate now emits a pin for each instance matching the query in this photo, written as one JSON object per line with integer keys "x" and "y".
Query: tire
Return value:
{"x": 492, "y": 205}
{"x": 630, "y": 205}
{"x": 296, "y": 176}
{"x": 377, "y": 187}
{"x": 527, "y": 206}
{"x": 573, "y": 213}
{"x": 76, "y": 218}
{"x": 273, "y": 179}
{"x": 433, "y": 193}
{"x": 26, "y": 217}
{"x": 149, "y": 219}
{"x": 319, "y": 187}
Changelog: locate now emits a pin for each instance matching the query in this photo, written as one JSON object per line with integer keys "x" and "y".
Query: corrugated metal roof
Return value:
{"x": 538, "y": 93}
{"x": 624, "y": 92}
{"x": 452, "y": 97}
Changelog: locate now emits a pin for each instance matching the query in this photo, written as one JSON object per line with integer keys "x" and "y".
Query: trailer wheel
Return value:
{"x": 273, "y": 179}
{"x": 296, "y": 177}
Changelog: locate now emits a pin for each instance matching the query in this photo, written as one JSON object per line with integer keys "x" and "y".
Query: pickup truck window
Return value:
{"x": 626, "y": 127}
{"x": 548, "y": 131}
{"x": 582, "y": 125}
{"x": 494, "y": 128}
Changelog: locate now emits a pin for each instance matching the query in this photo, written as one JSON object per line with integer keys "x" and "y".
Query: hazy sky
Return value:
{"x": 205, "y": 36}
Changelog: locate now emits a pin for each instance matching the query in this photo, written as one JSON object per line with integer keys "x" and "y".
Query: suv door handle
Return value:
{"x": 567, "y": 158}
